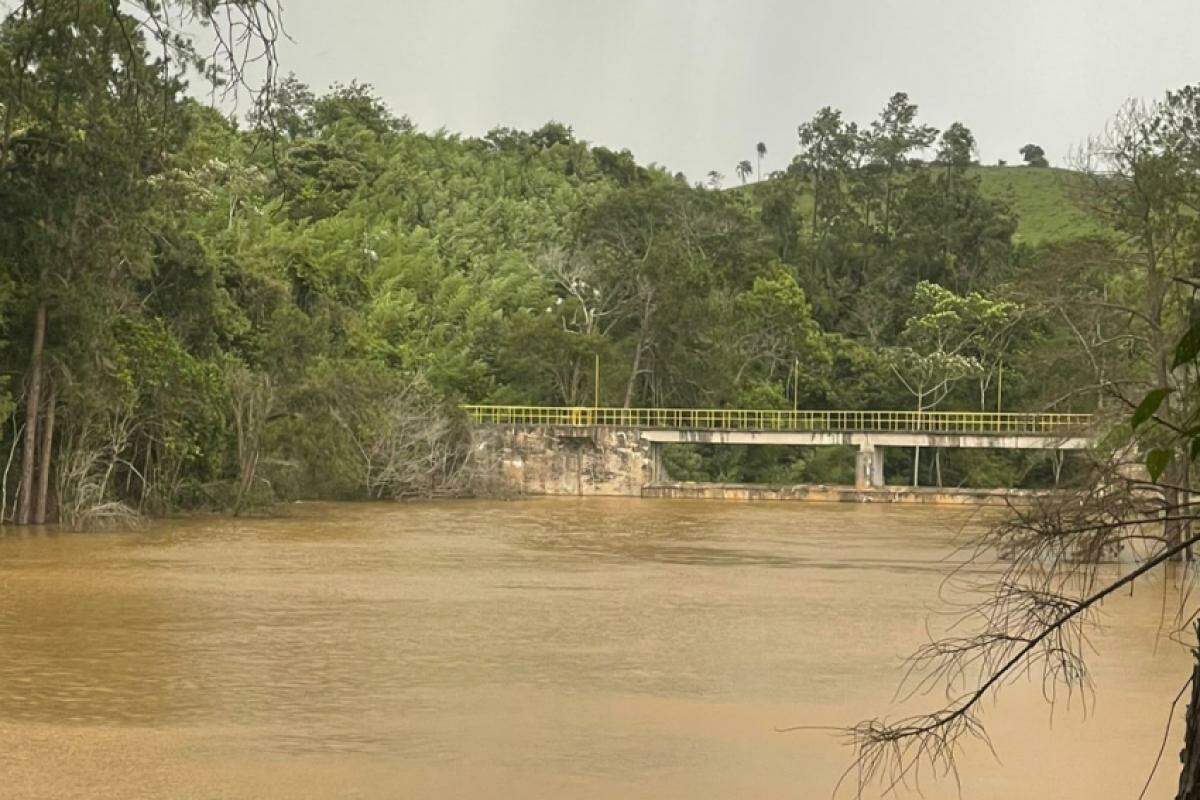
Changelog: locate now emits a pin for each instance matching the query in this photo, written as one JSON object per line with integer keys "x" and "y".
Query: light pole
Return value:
{"x": 795, "y": 386}
{"x": 1000, "y": 388}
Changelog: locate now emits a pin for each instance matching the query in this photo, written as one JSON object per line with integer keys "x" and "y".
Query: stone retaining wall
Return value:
{"x": 573, "y": 461}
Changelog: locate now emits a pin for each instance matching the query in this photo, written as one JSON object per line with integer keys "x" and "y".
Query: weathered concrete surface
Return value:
{"x": 868, "y": 467}
{"x": 838, "y": 494}
{"x": 573, "y": 461}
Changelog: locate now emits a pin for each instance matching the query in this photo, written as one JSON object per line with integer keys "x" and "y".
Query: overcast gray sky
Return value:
{"x": 694, "y": 85}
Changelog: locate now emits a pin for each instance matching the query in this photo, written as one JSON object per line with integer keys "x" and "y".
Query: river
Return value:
{"x": 553, "y": 648}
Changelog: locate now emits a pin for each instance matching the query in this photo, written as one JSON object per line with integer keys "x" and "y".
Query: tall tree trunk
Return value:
{"x": 39, "y": 516}
{"x": 1189, "y": 775}
{"x": 887, "y": 205}
{"x": 12, "y": 452}
{"x": 633, "y": 376}
{"x": 33, "y": 401}
{"x": 812, "y": 234}
{"x": 643, "y": 338}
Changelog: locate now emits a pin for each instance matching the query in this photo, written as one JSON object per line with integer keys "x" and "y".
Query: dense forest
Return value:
{"x": 210, "y": 311}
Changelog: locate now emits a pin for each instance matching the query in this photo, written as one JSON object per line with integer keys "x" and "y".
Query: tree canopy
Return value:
{"x": 179, "y": 290}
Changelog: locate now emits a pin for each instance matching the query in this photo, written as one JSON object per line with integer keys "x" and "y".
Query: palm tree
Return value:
{"x": 762, "y": 151}
{"x": 744, "y": 168}
{"x": 714, "y": 179}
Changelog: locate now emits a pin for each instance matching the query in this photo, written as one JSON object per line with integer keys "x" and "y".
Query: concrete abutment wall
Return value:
{"x": 583, "y": 461}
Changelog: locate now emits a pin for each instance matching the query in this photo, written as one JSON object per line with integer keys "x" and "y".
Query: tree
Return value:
{"x": 1034, "y": 156}
{"x": 674, "y": 254}
{"x": 551, "y": 134}
{"x": 956, "y": 148}
{"x": 828, "y": 152}
{"x": 893, "y": 138}
{"x": 287, "y": 111}
{"x": 779, "y": 204}
{"x": 587, "y": 306}
{"x": 356, "y": 103}
{"x": 776, "y": 332}
{"x": 744, "y": 168}
{"x": 947, "y": 231}
{"x": 73, "y": 161}
{"x": 864, "y": 216}
{"x": 714, "y": 179}
{"x": 1035, "y": 616}
{"x": 944, "y": 341}
{"x": 89, "y": 92}
{"x": 761, "y": 150}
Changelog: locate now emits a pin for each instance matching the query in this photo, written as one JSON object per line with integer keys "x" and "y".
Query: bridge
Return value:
{"x": 867, "y": 430}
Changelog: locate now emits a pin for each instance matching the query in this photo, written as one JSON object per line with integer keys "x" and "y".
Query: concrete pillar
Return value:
{"x": 654, "y": 455}
{"x": 868, "y": 466}
{"x": 864, "y": 466}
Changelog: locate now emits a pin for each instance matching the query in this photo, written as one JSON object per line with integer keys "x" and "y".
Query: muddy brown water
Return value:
{"x": 556, "y": 648}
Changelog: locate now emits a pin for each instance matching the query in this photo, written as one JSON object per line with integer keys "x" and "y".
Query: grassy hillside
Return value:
{"x": 1042, "y": 199}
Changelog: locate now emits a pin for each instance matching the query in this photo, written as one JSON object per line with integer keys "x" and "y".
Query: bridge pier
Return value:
{"x": 868, "y": 466}
{"x": 658, "y": 472}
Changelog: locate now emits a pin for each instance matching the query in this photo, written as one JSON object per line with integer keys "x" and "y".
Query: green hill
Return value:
{"x": 1043, "y": 201}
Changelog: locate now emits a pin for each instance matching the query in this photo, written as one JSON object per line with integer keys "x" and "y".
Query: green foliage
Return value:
{"x": 956, "y": 148}
{"x": 779, "y": 466}
{"x": 1157, "y": 461}
{"x": 1034, "y": 156}
{"x": 1150, "y": 403}
{"x": 231, "y": 319}
{"x": 862, "y": 219}
{"x": 1177, "y": 443}
{"x": 1188, "y": 348}
{"x": 948, "y": 338}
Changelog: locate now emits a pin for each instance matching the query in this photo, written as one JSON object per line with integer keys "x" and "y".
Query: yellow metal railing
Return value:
{"x": 799, "y": 421}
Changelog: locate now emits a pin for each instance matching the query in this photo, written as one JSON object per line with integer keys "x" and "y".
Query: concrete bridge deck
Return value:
{"x": 868, "y": 431}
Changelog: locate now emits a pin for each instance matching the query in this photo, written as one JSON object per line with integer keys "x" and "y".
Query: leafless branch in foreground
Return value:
{"x": 1062, "y": 557}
